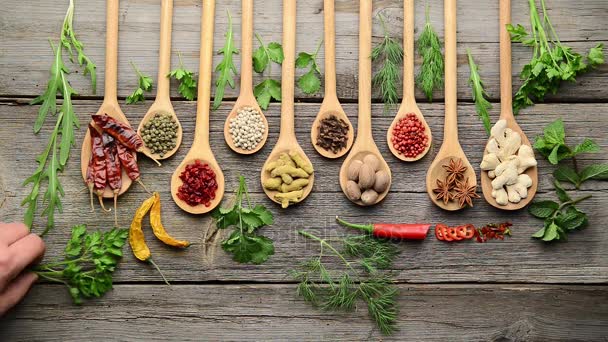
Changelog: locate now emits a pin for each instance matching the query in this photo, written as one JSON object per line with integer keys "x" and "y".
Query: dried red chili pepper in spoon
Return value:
{"x": 128, "y": 162}
{"x": 409, "y": 231}
{"x": 98, "y": 172}
{"x": 113, "y": 170}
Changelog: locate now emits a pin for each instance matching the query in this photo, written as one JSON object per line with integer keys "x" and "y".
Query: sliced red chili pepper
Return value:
{"x": 471, "y": 232}
{"x": 445, "y": 231}
{"x": 461, "y": 231}
{"x": 454, "y": 234}
{"x": 439, "y": 231}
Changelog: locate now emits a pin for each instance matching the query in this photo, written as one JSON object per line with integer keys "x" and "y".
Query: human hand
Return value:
{"x": 18, "y": 249}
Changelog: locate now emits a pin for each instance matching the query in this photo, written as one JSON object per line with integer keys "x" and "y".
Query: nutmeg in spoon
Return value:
{"x": 364, "y": 149}
{"x": 110, "y": 104}
{"x": 287, "y": 139}
{"x": 450, "y": 149}
{"x": 408, "y": 104}
{"x": 162, "y": 104}
{"x": 201, "y": 150}
{"x": 246, "y": 98}
{"x": 331, "y": 105}
{"x": 506, "y": 113}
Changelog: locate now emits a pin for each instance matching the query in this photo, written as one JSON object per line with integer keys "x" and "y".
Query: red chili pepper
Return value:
{"x": 99, "y": 164}
{"x": 439, "y": 228}
{"x": 112, "y": 169}
{"x": 90, "y": 181}
{"x": 408, "y": 231}
{"x": 446, "y": 235}
{"x": 120, "y": 131}
{"x": 129, "y": 164}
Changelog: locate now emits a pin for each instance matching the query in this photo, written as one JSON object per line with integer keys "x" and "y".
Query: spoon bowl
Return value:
{"x": 365, "y": 141}
{"x": 201, "y": 150}
{"x": 506, "y": 113}
{"x": 110, "y": 104}
{"x": 162, "y": 104}
{"x": 246, "y": 97}
{"x": 285, "y": 147}
{"x": 450, "y": 149}
{"x": 331, "y": 104}
{"x": 408, "y": 104}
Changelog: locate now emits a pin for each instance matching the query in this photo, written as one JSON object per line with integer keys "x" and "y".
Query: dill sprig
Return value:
{"x": 482, "y": 106}
{"x": 339, "y": 289}
{"x": 430, "y": 76}
{"x": 390, "y": 55}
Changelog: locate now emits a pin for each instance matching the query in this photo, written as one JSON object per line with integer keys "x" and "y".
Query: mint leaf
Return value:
{"x": 551, "y": 232}
{"x": 543, "y": 209}
{"x": 555, "y": 133}
{"x": 597, "y": 171}
{"x": 561, "y": 192}
{"x": 587, "y": 145}
{"x": 567, "y": 174}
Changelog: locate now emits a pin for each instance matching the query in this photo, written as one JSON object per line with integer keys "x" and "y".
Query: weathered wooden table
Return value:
{"x": 519, "y": 289}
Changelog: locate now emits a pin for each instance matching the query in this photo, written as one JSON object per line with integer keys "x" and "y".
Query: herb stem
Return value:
{"x": 328, "y": 245}
{"x": 568, "y": 203}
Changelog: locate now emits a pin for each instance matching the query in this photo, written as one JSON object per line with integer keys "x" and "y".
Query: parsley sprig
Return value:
{"x": 552, "y": 62}
{"x": 340, "y": 289}
{"x": 89, "y": 261}
{"x": 226, "y": 68}
{"x": 186, "y": 78}
{"x": 310, "y": 82}
{"x": 389, "y": 54}
{"x": 55, "y": 155}
{"x": 245, "y": 244}
{"x": 262, "y": 59}
{"x": 430, "y": 76}
{"x": 564, "y": 217}
{"x": 482, "y": 106}
{"x": 144, "y": 83}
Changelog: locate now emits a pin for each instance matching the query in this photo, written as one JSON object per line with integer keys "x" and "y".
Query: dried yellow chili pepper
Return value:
{"x": 136, "y": 234}
{"x": 159, "y": 230}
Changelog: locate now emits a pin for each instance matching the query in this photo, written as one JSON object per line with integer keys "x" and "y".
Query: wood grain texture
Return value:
{"x": 519, "y": 259}
{"x": 274, "y": 313}
{"x": 26, "y": 53}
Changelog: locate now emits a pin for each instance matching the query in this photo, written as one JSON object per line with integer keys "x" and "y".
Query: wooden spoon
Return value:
{"x": 364, "y": 144}
{"x": 162, "y": 104}
{"x": 408, "y": 104}
{"x": 287, "y": 138}
{"x": 110, "y": 104}
{"x": 330, "y": 105}
{"x": 246, "y": 97}
{"x": 506, "y": 112}
{"x": 450, "y": 149}
{"x": 201, "y": 150}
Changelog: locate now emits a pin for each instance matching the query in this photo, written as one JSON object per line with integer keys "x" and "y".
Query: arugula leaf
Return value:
{"x": 266, "y": 90}
{"x": 552, "y": 62}
{"x": 187, "y": 80}
{"x": 309, "y": 83}
{"x": 144, "y": 83}
{"x": 89, "y": 262}
{"x": 390, "y": 56}
{"x": 430, "y": 76}
{"x": 226, "y": 68}
{"x": 244, "y": 243}
{"x": 482, "y": 106}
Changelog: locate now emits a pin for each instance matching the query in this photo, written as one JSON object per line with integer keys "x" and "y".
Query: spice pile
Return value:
{"x": 160, "y": 134}
{"x": 506, "y": 161}
{"x": 289, "y": 174}
{"x": 366, "y": 180}
{"x": 247, "y": 128}
{"x": 455, "y": 187}
{"x": 409, "y": 136}
{"x": 468, "y": 231}
{"x": 199, "y": 184}
{"x": 111, "y": 150}
{"x": 333, "y": 134}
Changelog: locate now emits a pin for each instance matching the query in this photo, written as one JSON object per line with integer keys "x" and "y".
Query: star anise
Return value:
{"x": 455, "y": 170}
{"x": 465, "y": 193}
{"x": 443, "y": 191}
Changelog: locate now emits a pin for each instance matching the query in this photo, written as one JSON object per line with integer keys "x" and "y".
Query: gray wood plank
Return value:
{"x": 274, "y": 313}
{"x": 520, "y": 259}
{"x": 26, "y": 56}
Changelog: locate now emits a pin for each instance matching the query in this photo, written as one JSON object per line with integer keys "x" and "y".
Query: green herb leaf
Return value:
{"x": 389, "y": 54}
{"x": 264, "y": 54}
{"x": 144, "y": 83}
{"x": 267, "y": 90}
{"x": 245, "y": 248}
{"x": 275, "y": 52}
{"x": 69, "y": 40}
{"x": 543, "y": 209}
{"x": 597, "y": 171}
{"x": 567, "y": 174}
{"x": 551, "y": 232}
{"x": 561, "y": 192}
{"x": 482, "y": 106}
{"x": 587, "y": 145}
{"x": 430, "y": 76}
{"x": 187, "y": 80}
{"x": 226, "y": 68}
{"x": 309, "y": 83}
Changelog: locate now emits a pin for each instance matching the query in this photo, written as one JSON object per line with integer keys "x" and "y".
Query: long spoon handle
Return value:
{"x": 450, "y": 129}
{"x": 201, "y": 134}
{"x": 287, "y": 78}
{"x": 506, "y": 98}
{"x": 111, "y": 51}
{"x": 408, "y": 49}
{"x": 164, "y": 63}
{"x": 246, "y": 46}
{"x": 364, "y": 126}
{"x": 329, "y": 20}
